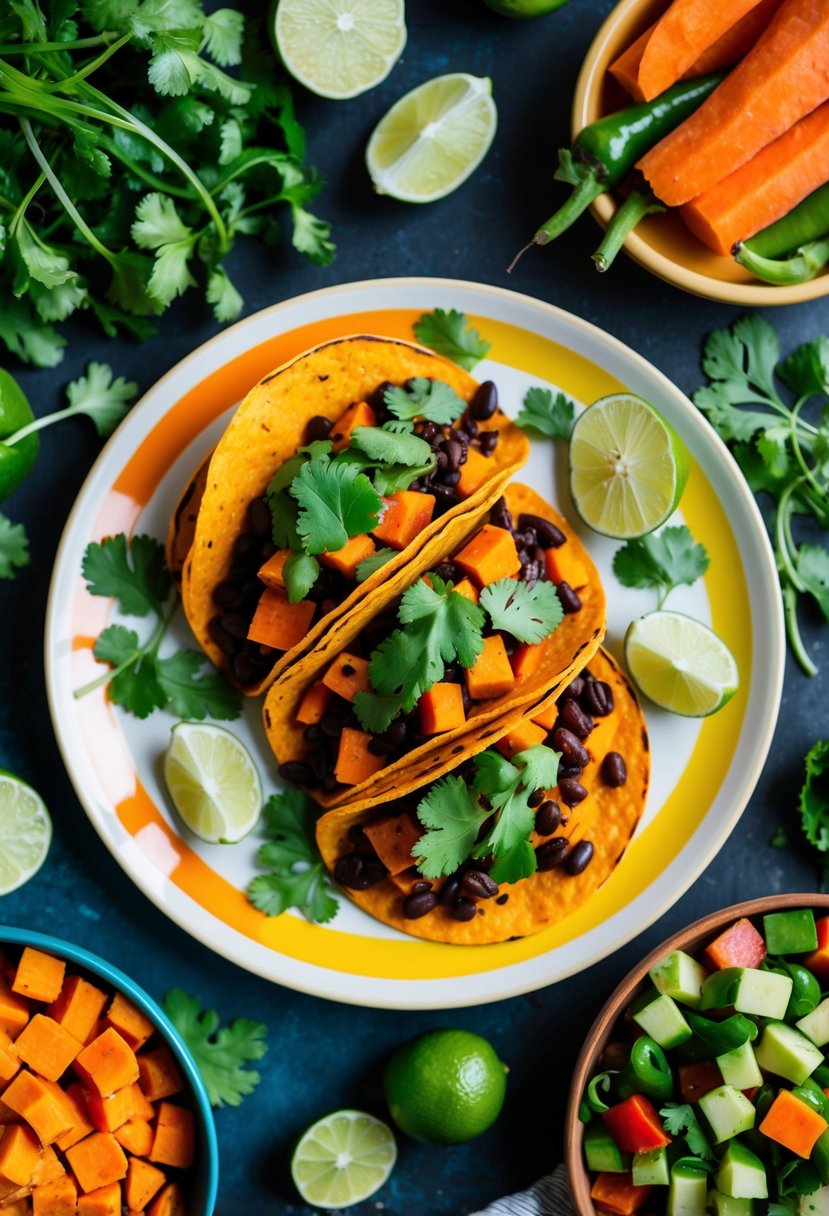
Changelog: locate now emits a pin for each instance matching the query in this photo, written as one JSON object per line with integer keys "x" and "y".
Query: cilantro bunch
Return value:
{"x": 782, "y": 446}
{"x": 137, "y": 139}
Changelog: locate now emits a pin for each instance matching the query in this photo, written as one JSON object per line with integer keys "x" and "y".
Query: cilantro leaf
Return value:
{"x": 336, "y": 501}
{"x": 679, "y": 1119}
{"x": 297, "y": 877}
{"x": 134, "y": 684}
{"x": 389, "y": 478}
{"x": 494, "y": 773}
{"x": 508, "y": 786}
{"x": 512, "y": 825}
{"x": 806, "y": 371}
{"x": 299, "y": 573}
{"x": 103, "y": 399}
{"x": 388, "y": 447}
{"x": 813, "y": 571}
{"x": 222, "y": 31}
{"x": 221, "y": 1053}
{"x": 226, "y": 301}
{"x": 14, "y": 547}
{"x": 159, "y": 227}
{"x": 192, "y": 692}
{"x": 131, "y": 572}
{"x": 450, "y": 334}
{"x": 368, "y": 565}
{"x": 376, "y": 713}
{"x": 546, "y": 415}
{"x": 514, "y": 863}
{"x": 452, "y": 815}
{"x": 529, "y": 613}
{"x": 433, "y": 400}
{"x": 539, "y": 767}
{"x": 661, "y": 560}
{"x": 814, "y": 796}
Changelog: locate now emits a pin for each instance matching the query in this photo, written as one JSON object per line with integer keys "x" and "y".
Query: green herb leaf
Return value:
{"x": 335, "y": 502}
{"x": 452, "y": 816}
{"x": 680, "y": 1120}
{"x": 388, "y": 447}
{"x": 368, "y": 565}
{"x": 297, "y": 877}
{"x": 539, "y": 767}
{"x": 159, "y": 227}
{"x": 450, "y": 334}
{"x": 806, "y": 371}
{"x": 193, "y": 689}
{"x": 662, "y": 560}
{"x": 813, "y": 571}
{"x": 299, "y": 574}
{"x": 529, "y": 613}
{"x": 226, "y": 301}
{"x": 131, "y": 572}
{"x": 101, "y": 397}
{"x": 223, "y": 32}
{"x": 814, "y": 796}
{"x": 222, "y": 1053}
{"x": 14, "y": 547}
{"x": 134, "y": 684}
{"x": 430, "y": 399}
{"x": 546, "y": 415}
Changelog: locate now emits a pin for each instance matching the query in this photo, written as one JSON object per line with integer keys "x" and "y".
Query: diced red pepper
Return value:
{"x": 698, "y": 1079}
{"x": 635, "y": 1125}
{"x": 738, "y": 946}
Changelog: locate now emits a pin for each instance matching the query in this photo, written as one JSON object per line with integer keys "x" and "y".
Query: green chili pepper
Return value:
{"x": 713, "y": 1039}
{"x": 604, "y": 152}
{"x": 637, "y": 205}
{"x": 804, "y": 264}
{"x": 16, "y": 459}
{"x": 647, "y": 1071}
{"x": 805, "y": 992}
{"x": 806, "y": 222}
{"x": 592, "y": 1097}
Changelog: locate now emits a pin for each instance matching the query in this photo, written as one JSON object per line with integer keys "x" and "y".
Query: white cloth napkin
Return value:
{"x": 550, "y": 1196}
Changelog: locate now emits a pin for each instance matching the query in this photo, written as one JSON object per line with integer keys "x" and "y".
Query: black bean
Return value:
{"x": 571, "y": 791}
{"x": 246, "y": 547}
{"x": 451, "y": 479}
{"x": 421, "y": 885}
{"x": 396, "y": 733}
{"x": 378, "y": 746}
{"x": 453, "y": 452}
{"x": 500, "y": 515}
{"x": 313, "y": 733}
{"x": 614, "y": 770}
{"x": 488, "y": 442}
{"x": 485, "y": 401}
{"x": 466, "y": 699}
{"x": 235, "y": 624}
{"x": 330, "y": 726}
{"x": 549, "y": 536}
{"x": 418, "y": 904}
{"x": 245, "y": 667}
{"x": 572, "y": 749}
{"x": 295, "y": 771}
{"x": 469, "y": 425}
{"x": 573, "y": 689}
{"x": 570, "y": 601}
{"x": 227, "y": 595}
{"x": 510, "y": 643}
{"x": 526, "y": 537}
{"x": 535, "y": 798}
{"x": 447, "y": 494}
{"x": 551, "y": 853}
{"x": 449, "y": 572}
{"x": 464, "y": 909}
{"x": 547, "y": 818}
{"x": 266, "y": 549}
{"x": 597, "y": 698}
{"x": 479, "y": 884}
{"x": 227, "y": 644}
{"x": 530, "y": 572}
{"x": 565, "y": 771}
{"x": 348, "y": 871}
{"x": 374, "y": 871}
{"x": 579, "y": 857}
{"x": 259, "y": 517}
{"x": 330, "y": 783}
{"x": 450, "y": 890}
{"x": 575, "y": 719}
{"x": 377, "y": 400}
{"x": 442, "y": 461}
{"x": 429, "y": 431}
{"x": 251, "y": 589}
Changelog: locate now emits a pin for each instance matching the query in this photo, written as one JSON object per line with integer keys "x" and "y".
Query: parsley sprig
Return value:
{"x": 661, "y": 560}
{"x": 450, "y": 334}
{"x": 782, "y": 447}
{"x": 222, "y": 1053}
{"x": 297, "y": 877}
{"x": 132, "y": 572}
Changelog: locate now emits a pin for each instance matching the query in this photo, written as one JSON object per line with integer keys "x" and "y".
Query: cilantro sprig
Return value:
{"x": 781, "y": 446}
{"x": 546, "y": 415}
{"x": 140, "y": 680}
{"x": 14, "y": 548}
{"x": 450, "y": 334}
{"x": 297, "y": 877}
{"x": 661, "y": 560}
{"x": 222, "y": 1053}
{"x": 529, "y": 613}
{"x": 680, "y": 1120}
{"x": 433, "y": 400}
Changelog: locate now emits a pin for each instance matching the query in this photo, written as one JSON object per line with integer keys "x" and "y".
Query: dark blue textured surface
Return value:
{"x": 323, "y": 1056}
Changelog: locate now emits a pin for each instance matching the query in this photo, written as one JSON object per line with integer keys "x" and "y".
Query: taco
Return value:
{"x": 515, "y": 838}
{"x": 338, "y": 471}
{"x": 509, "y": 615}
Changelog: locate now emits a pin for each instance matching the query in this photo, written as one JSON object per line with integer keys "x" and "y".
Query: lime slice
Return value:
{"x": 628, "y": 467}
{"x": 339, "y": 48}
{"x": 342, "y": 1159}
{"x": 680, "y": 664}
{"x": 25, "y": 832}
{"x": 433, "y": 138}
{"x": 213, "y": 782}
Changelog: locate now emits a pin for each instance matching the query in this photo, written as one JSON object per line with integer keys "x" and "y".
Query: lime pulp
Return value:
{"x": 342, "y": 1159}
{"x": 212, "y": 781}
{"x": 25, "y": 832}
{"x": 680, "y": 664}
{"x": 340, "y": 48}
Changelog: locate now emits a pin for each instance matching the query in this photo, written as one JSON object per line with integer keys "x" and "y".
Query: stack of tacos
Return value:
{"x": 426, "y": 633}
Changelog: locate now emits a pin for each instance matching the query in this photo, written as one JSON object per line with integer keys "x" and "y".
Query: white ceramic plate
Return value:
{"x": 704, "y": 772}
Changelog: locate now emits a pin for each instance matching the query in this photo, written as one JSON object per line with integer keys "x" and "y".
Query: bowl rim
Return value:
{"x": 602, "y": 1025}
{"x": 590, "y": 78}
{"x": 113, "y": 975}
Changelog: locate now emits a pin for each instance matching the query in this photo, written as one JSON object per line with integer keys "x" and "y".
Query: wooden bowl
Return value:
{"x": 689, "y": 939}
{"x": 662, "y": 243}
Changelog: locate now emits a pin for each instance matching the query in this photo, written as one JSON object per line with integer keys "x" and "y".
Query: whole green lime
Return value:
{"x": 524, "y": 8}
{"x": 16, "y": 459}
{"x": 445, "y": 1086}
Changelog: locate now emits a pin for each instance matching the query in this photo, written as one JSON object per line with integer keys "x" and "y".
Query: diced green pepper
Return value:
{"x": 651, "y": 1169}
{"x": 791, "y": 932}
{"x": 647, "y": 1071}
{"x": 601, "y": 1151}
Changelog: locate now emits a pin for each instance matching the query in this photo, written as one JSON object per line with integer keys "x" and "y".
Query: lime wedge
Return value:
{"x": 25, "y": 832}
{"x": 342, "y": 1159}
{"x": 628, "y": 467}
{"x": 680, "y": 664}
{"x": 339, "y": 48}
{"x": 213, "y": 782}
{"x": 433, "y": 138}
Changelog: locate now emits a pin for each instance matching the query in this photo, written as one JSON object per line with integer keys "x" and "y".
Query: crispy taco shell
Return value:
{"x": 563, "y": 654}
{"x": 265, "y": 431}
{"x": 607, "y": 818}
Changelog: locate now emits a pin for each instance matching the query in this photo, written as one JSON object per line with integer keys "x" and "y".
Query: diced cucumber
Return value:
{"x": 680, "y": 976}
{"x": 791, "y": 932}
{"x": 815, "y": 1025}
{"x": 651, "y": 1169}
{"x": 726, "y": 1205}
{"x": 601, "y": 1151}
{"x": 728, "y": 1111}
{"x": 741, "y": 1175}
{"x": 740, "y": 1068}
{"x": 662, "y": 1019}
{"x": 816, "y": 1204}
{"x": 785, "y": 1051}
{"x": 763, "y": 993}
{"x": 687, "y": 1191}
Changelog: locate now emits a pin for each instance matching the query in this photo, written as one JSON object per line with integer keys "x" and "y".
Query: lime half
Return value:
{"x": 680, "y": 664}
{"x": 343, "y": 1159}
{"x": 213, "y": 782}
{"x": 628, "y": 467}
{"x": 433, "y": 138}
{"x": 339, "y": 48}
{"x": 25, "y": 832}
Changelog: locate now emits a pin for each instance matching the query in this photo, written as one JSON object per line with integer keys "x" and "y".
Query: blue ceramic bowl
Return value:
{"x": 205, "y": 1170}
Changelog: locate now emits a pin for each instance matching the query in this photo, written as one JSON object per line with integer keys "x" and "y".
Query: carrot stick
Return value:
{"x": 765, "y": 187}
{"x": 688, "y": 28}
{"x": 782, "y": 79}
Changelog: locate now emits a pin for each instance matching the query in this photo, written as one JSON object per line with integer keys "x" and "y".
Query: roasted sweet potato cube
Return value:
{"x": 168, "y": 1202}
{"x": 78, "y": 1007}
{"x": 347, "y": 559}
{"x": 97, "y": 1161}
{"x": 547, "y": 717}
{"x": 393, "y": 840}
{"x": 142, "y": 1106}
{"x": 39, "y": 976}
{"x": 441, "y": 708}
{"x": 271, "y": 572}
{"x": 34, "y": 1099}
{"x": 358, "y": 414}
{"x": 19, "y": 1153}
{"x": 355, "y": 763}
{"x": 491, "y": 674}
{"x": 175, "y": 1138}
{"x": 107, "y": 1063}
{"x": 347, "y": 676}
{"x": 136, "y": 1136}
{"x": 49, "y": 1168}
{"x": 46, "y": 1047}
{"x": 14, "y": 1010}
{"x": 467, "y": 589}
{"x": 525, "y": 659}
{"x": 277, "y": 623}
{"x": 474, "y": 472}
{"x": 58, "y": 1198}
{"x": 105, "y": 1201}
{"x": 143, "y": 1182}
{"x": 489, "y": 556}
{"x": 134, "y": 1027}
{"x": 107, "y": 1114}
{"x": 9, "y": 1059}
{"x": 313, "y": 704}
{"x": 159, "y": 1074}
{"x": 523, "y": 735}
{"x": 406, "y": 514}
{"x": 76, "y": 1102}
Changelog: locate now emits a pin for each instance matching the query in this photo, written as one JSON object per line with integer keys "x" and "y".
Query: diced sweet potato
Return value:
{"x": 491, "y": 674}
{"x": 393, "y": 840}
{"x": 271, "y": 572}
{"x": 489, "y": 556}
{"x": 39, "y": 976}
{"x": 14, "y": 1010}
{"x": 175, "y": 1138}
{"x": 159, "y": 1075}
{"x": 347, "y": 676}
{"x": 34, "y": 1100}
{"x": 82, "y": 1124}
{"x": 441, "y": 708}
{"x": 78, "y": 1007}
{"x": 355, "y": 763}
{"x": 58, "y": 1198}
{"x": 105, "y": 1201}
{"x": 467, "y": 589}
{"x": 277, "y": 623}
{"x": 49, "y": 1168}
{"x": 18, "y": 1207}
{"x": 9, "y": 1059}
{"x": 563, "y": 565}
{"x": 108, "y": 1114}
{"x": 523, "y": 735}
{"x": 142, "y": 1106}
{"x": 134, "y": 1027}
{"x": 525, "y": 659}
{"x": 143, "y": 1182}
{"x": 169, "y": 1202}
{"x": 136, "y": 1136}
{"x": 474, "y": 472}
{"x": 313, "y": 704}
{"x": 46, "y": 1047}
{"x": 358, "y": 414}
{"x": 19, "y": 1153}
{"x": 547, "y": 717}
{"x": 97, "y": 1161}
{"x": 347, "y": 559}
{"x": 406, "y": 514}
{"x": 738, "y": 946}
{"x": 107, "y": 1063}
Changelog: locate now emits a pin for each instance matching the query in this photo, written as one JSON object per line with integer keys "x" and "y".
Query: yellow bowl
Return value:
{"x": 662, "y": 243}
